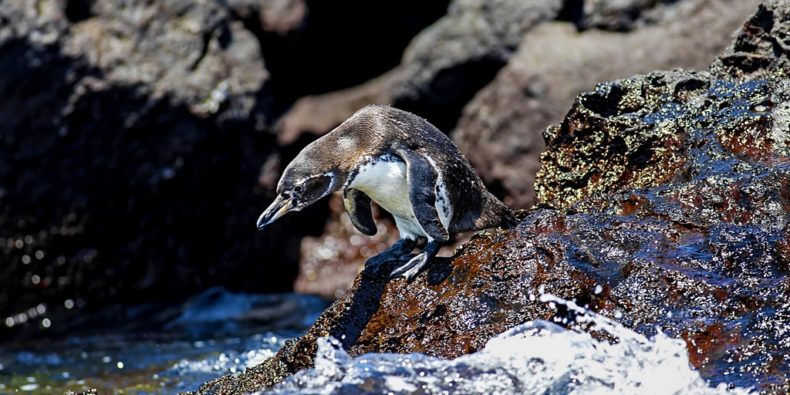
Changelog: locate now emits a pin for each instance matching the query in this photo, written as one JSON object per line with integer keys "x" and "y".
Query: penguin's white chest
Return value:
{"x": 384, "y": 181}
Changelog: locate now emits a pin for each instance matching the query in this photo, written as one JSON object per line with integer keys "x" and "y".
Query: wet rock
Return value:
{"x": 664, "y": 204}
{"x": 135, "y": 151}
{"x": 111, "y": 114}
{"x": 595, "y": 160}
{"x": 500, "y": 129}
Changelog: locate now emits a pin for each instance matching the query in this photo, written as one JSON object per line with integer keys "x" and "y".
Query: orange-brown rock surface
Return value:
{"x": 664, "y": 201}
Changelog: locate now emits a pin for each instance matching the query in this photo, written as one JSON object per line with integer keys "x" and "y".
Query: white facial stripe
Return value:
{"x": 333, "y": 182}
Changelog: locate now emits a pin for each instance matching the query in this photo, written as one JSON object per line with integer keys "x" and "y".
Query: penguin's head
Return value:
{"x": 297, "y": 189}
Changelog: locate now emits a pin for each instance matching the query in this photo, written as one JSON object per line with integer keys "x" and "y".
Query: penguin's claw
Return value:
{"x": 410, "y": 269}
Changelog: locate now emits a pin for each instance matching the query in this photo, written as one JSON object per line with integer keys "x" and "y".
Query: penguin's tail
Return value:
{"x": 499, "y": 215}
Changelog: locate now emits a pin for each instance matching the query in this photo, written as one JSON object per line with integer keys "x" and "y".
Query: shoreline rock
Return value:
{"x": 663, "y": 201}
{"x": 134, "y": 134}
{"x": 555, "y": 63}
{"x": 499, "y": 129}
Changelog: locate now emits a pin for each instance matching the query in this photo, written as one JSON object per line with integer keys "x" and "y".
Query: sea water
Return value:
{"x": 536, "y": 357}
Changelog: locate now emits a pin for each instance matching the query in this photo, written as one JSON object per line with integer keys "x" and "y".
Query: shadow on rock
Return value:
{"x": 363, "y": 306}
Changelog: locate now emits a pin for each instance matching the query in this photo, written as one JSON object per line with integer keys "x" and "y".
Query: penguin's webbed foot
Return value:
{"x": 412, "y": 268}
{"x": 393, "y": 254}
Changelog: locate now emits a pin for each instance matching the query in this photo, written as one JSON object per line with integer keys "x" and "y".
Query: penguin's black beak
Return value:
{"x": 279, "y": 207}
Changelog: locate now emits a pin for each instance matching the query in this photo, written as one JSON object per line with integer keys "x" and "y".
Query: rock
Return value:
{"x": 499, "y": 130}
{"x": 136, "y": 152}
{"x": 618, "y": 15}
{"x": 336, "y": 45}
{"x": 642, "y": 159}
{"x": 440, "y": 71}
{"x": 760, "y": 47}
{"x": 129, "y": 155}
{"x": 664, "y": 203}
{"x": 451, "y": 60}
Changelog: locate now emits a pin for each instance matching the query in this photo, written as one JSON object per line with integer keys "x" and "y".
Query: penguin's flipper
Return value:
{"x": 421, "y": 177}
{"x": 358, "y": 209}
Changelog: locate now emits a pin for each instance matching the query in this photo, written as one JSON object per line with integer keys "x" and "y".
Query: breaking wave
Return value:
{"x": 537, "y": 357}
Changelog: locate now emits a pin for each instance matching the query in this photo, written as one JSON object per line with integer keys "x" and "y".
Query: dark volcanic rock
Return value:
{"x": 133, "y": 136}
{"x": 129, "y": 155}
{"x": 666, "y": 203}
{"x": 500, "y": 129}
{"x": 450, "y": 61}
{"x": 332, "y": 45}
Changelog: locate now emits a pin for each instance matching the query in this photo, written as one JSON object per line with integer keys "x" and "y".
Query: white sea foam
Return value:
{"x": 537, "y": 357}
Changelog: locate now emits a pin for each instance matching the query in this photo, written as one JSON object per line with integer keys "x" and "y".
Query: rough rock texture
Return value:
{"x": 670, "y": 191}
{"x": 500, "y": 129}
{"x": 555, "y": 63}
{"x": 133, "y": 136}
{"x": 109, "y": 116}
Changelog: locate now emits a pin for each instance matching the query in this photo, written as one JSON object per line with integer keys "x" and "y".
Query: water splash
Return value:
{"x": 535, "y": 357}
{"x": 214, "y": 333}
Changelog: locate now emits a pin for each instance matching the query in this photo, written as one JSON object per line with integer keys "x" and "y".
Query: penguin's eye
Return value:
{"x": 299, "y": 188}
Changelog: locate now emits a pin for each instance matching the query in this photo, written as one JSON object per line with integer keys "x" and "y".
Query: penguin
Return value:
{"x": 404, "y": 164}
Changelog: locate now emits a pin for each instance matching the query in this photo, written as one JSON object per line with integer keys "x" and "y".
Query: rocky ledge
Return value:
{"x": 664, "y": 201}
